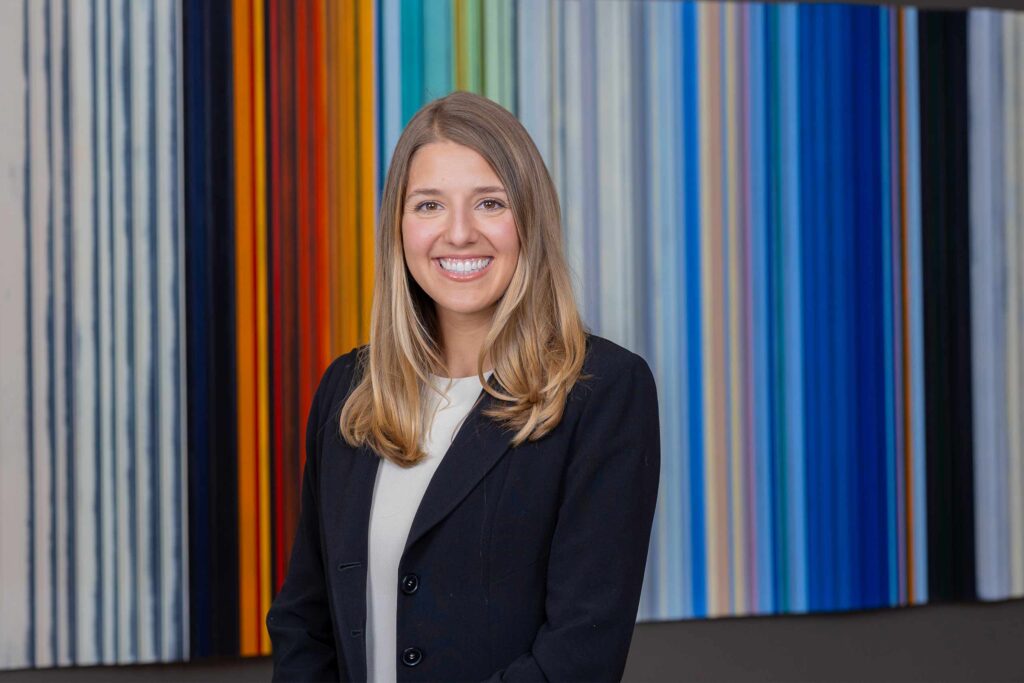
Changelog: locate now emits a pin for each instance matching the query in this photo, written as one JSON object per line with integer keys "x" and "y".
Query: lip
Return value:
{"x": 455, "y": 277}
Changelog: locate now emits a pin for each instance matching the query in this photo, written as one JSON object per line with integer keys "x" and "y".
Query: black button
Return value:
{"x": 411, "y": 656}
{"x": 410, "y": 582}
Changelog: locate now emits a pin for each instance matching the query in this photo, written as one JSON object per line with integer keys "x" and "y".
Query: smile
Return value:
{"x": 463, "y": 269}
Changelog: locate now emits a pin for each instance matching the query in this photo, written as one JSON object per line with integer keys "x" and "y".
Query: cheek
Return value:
{"x": 414, "y": 244}
{"x": 507, "y": 239}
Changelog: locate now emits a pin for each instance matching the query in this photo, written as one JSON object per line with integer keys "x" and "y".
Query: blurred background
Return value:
{"x": 808, "y": 218}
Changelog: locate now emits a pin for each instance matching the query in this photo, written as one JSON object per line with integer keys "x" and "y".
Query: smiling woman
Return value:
{"x": 480, "y": 480}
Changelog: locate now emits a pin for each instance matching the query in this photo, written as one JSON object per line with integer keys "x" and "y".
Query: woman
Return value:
{"x": 480, "y": 479}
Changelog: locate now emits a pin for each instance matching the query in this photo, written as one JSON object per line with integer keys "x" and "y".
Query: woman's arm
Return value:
{"x": 599, "y": 547}
{"x": 299, "y": 620}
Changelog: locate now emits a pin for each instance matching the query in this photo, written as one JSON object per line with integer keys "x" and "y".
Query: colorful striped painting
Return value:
{"x": 807, "y": 217}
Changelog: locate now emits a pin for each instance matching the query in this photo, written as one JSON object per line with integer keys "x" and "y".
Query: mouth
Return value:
{"x": 464, "y": 269}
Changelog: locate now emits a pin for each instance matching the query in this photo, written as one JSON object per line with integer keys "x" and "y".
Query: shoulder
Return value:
{"x": 337, "y": 382}
{"x": 606, "y": 360}
{"x": 609, "y": 367}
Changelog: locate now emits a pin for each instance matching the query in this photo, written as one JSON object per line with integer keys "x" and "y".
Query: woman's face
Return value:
{"x": 458, "y": 232}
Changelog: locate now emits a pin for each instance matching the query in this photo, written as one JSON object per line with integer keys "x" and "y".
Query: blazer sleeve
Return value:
{"x": 299, "y": 619}
{"x": 601, "y": 538}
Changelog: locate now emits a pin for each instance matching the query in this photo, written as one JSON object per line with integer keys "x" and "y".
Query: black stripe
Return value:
{"x": 947, "y": 317}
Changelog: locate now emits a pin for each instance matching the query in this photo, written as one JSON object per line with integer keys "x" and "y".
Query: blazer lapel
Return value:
{"x": 477, "y": 447}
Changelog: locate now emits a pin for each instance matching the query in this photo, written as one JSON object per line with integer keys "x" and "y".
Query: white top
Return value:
{"x": 396, "y": 497}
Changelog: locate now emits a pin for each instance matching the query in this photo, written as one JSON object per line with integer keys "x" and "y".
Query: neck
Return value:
{"x": 462, "y": 337}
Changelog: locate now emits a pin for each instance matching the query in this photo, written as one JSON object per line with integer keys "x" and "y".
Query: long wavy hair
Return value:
{"x": 537, "y": 338}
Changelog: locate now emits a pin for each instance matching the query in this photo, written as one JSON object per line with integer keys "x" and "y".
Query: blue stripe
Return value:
{"x": 793, "y": 358}
{"x": 691, "y": 222}
{"x": 412, "y": 58}
{"x": 760, "y": 306}
{"x": 915, "y": 294}
{"x": 889, "y": 576}
{"x": 437, "y": 50}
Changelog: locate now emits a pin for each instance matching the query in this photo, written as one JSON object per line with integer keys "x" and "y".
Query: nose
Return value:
{"x": 462, "y": 229}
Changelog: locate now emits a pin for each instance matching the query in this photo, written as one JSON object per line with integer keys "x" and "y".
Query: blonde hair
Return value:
{"x": 537, "y": 338}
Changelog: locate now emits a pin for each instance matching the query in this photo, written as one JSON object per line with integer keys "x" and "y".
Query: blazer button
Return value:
{"x": 410, "y": 582}
{"x": 411, "y": 656}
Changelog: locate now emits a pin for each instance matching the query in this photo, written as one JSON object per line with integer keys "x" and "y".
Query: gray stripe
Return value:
{"x": 97, "y": 624}
{"x": 153, "y": 399}
{"x": 133, "y": 551}
{"x": 113, "y": 323}
{"x": 50, "y": 353}
{"x": 590, "y": 144}
{"x": 176, "y": 608}
{"x": 30, "y": 653}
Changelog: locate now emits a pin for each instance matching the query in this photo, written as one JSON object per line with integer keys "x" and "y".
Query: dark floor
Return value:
{"x": 965, "y": 642}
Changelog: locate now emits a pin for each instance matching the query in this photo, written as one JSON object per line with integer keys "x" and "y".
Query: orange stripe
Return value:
{"x": 367, "y": 172}
{"x": 304, "y": 197}
{"x": 245, "y": 310}
{"x": 347, "y": 121}
{"x": 262, "y": 323}
{"x": 334, "y": 101}
{"x": 320, "y": 331}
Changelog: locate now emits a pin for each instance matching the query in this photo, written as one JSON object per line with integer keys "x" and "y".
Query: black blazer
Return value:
{"x": 522, "y": 564}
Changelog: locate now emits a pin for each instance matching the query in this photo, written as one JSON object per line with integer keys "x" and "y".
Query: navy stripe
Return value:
{"x": 133, "y": 551}
{"x": 51, "y": 405}
{"x": 97, "y": 624}
{"x": 177, "y": 617}
{"x": 152, "y": 399}
{"x": 30, "y": 649}
{"x": 69, "y": 336}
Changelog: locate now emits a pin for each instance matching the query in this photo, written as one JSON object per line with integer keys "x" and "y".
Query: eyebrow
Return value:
{"x": 476, "y": 190}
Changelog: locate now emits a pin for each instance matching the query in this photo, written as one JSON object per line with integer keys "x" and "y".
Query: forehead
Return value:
{"x": 449, "y": 165}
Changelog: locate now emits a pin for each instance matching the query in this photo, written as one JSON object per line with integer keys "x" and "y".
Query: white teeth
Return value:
{"x": 464, "y": 266}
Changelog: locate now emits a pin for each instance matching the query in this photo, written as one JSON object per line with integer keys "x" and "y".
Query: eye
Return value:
{"x": 495, "y": 204}
{"x": 430, "y": 205}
